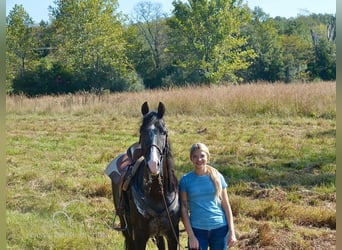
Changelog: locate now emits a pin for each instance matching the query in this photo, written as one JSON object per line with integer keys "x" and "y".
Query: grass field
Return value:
{"x": 274, "y": 143}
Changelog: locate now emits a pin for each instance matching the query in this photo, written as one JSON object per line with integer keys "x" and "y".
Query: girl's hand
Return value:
{"x": 232, "y": 240}
{"x": 193, "y": 242}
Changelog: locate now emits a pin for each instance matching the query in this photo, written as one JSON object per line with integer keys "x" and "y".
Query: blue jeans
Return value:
{"x": 216, "y": 239}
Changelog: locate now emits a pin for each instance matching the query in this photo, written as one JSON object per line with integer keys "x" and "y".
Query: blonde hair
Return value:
{"x": 213, "y": 172}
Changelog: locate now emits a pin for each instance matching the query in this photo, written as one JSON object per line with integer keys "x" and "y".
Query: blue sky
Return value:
{"x": 38, "y": 9}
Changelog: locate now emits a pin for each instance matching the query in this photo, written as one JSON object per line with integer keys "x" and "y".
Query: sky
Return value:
{"x": 38, "y": 9}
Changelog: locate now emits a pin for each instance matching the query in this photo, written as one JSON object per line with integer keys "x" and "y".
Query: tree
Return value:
{"x": 323, "y": 35}
{"x": 296, "y": 55}
{"x": 19, "y": 42}
{"x": 264, "y": 40}
{"x": 139, "y": 55}
{"x": 205, "y": 38}
{"x": 89, "y": 38}
{"x": 150, "y": 22}
{"x": 42, "y": 36}
{"x": 45, "y": 80}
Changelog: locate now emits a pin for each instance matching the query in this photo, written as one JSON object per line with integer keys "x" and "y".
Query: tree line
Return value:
{"x": 88, "y": 45}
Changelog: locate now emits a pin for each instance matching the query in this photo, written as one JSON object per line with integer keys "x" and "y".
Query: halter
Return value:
{"x": 162, "y": 152}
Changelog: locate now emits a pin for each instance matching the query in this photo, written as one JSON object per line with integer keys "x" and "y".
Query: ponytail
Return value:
{"x": 215, "y": 177}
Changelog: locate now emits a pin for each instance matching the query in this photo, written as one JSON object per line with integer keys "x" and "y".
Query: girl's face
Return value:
{"x": 199, "y": 158}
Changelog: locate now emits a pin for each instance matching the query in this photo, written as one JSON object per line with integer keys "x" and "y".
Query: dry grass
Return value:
{"x": 275, "y": 144}
{"x": 312, "y": 99}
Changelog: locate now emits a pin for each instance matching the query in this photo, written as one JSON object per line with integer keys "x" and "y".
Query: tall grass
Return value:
{"x": 312, "y": 99}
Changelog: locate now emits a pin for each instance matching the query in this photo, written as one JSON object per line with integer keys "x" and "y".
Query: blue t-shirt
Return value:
{"x": 205, "y": 208}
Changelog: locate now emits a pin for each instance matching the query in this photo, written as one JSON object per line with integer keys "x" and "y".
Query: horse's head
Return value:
{"x": 153, "y": 137}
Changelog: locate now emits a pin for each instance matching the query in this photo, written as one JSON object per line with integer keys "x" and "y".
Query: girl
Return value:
{"x": 205, "y": 207}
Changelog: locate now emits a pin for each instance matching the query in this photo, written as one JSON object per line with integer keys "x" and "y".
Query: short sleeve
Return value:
{"x": 182, "y": 184}
{"x": 223, "y": 181}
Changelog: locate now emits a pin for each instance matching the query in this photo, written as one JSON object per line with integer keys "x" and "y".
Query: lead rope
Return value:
{"x": 168, "y": 212}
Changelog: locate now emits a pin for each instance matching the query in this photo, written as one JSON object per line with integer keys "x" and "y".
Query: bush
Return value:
{"x": 43, "y": 80}
{"x": 58, "y": 79}
{"x": 107, "y": 77}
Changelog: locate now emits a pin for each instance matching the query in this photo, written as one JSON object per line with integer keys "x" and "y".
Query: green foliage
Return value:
{"x": 323, "y": 66}
{"x": 56, "y": 79}
{"x": 84, "y": 29}
{"x": 149, "y": 41}
{"x": 42, "y": 36}
{"x": 201, "y": 42}
{"x": 297, "y": 53}
{"x": 268, "y": 65}
{"x": 205, "y": 40}
{"x": 89, "y": 38}
{"x": 19, "y": 42}
{"x": 106, "y": 77}
{"x": 138, "y": 53}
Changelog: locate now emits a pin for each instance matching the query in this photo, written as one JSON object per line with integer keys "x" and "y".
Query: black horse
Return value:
{"x": 152, "y": 207}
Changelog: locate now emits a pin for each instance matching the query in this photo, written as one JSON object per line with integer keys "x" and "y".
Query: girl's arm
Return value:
{"x": 193, "y": 242}
{"x": 229, "y": 215}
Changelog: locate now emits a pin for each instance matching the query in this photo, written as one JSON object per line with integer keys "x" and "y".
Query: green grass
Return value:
{"x": 275, "y": 144}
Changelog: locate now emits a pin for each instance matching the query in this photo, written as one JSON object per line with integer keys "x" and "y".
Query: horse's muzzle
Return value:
{"x": 153, "y": 165}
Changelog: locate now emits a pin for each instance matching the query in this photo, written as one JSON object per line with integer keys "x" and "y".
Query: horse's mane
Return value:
{"x": 172, "y": 180}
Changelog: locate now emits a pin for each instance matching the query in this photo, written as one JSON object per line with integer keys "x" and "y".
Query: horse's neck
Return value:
{"x": 169, "y": 178}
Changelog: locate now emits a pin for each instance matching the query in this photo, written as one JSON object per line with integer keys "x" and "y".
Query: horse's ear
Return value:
{"x": 161, "y": 110}
{"x": 144, "y": 108}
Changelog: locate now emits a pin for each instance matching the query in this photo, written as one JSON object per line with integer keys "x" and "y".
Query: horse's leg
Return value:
{"x": 140, "y": 239}
{"x": 129, "y": 242}
{"x": 172, "y": 241}
{"x": 160, "y": 242}
{"x": 116, "y": 191}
